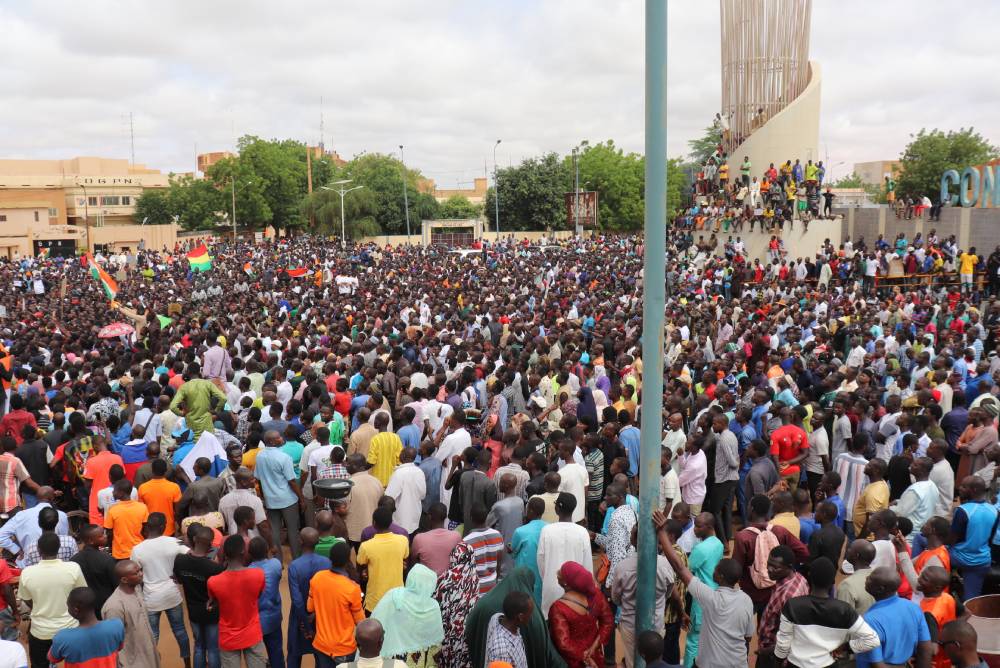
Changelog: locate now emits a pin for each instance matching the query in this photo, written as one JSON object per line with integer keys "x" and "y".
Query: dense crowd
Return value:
{"x": 400, "y": 455}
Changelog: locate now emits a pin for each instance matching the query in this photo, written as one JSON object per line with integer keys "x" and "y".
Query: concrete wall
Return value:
{"x": 792, "y": 133}
{"x": 157, "y": 237}
{"x": 971, "y": 227}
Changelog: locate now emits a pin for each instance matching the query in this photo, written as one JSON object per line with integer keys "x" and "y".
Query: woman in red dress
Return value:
{"x": 581, "y": 621}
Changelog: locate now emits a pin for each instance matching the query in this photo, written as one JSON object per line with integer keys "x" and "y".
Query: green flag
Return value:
{"x": 164, "y": 320}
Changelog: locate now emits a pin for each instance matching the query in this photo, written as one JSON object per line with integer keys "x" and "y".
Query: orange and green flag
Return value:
{"x": 108, "y": 283}
{"x": 199, "y": 259}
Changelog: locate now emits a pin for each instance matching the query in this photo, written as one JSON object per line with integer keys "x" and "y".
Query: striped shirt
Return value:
{"x": 486, "y": 544}
{"x": 595, "y": 468}
{"x": 851, "y": 469}
{"x": 12, "y": 474}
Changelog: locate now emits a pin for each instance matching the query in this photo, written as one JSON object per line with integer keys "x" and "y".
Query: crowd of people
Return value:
{"x": 406, "y": 456}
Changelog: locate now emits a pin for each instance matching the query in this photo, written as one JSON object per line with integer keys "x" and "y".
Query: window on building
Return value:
{"x": 110, "y": 200}
{"x": 91, "y": 201}
{"x": 126, "y": 200}
{"x": 36, "y": 216}
{"x": 53, "y": 213}
{"x": 3, "y": 218}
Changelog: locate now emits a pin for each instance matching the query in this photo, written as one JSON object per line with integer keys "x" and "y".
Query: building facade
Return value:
{"x": 53, "y": 202}
{"x": 873, "y": 173}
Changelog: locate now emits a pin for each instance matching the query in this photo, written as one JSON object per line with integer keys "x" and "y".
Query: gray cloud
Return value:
{"x": 446, "y": 78}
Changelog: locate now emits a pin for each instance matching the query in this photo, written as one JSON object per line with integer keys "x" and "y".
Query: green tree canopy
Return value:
{"x": 382, "y": 176}
{"x": 197, "y": 203}
{"x": 618, "y": 178}
{"x": 359, "y": 213}
{"x": 704, "y": 146}
{"x": 531, "y": 195}
{"x": 930, "y": 153}
{"x": 153, "y": 207}
{"x": 459, "y": 206}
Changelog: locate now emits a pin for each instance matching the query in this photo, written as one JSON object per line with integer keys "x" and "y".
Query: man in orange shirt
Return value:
{"x": 124, "y": 521}
{"x": 97, "y": 473}
{"x": 336, "y": 601}
{"x": 932, "y": 583}
{"x": 160, "y": 495}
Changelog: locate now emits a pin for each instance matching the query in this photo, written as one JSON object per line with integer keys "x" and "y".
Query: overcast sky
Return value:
{"x": 448, "y": 77}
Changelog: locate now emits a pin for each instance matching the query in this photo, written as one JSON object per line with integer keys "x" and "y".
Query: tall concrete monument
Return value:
{"x": 770, "y": 88}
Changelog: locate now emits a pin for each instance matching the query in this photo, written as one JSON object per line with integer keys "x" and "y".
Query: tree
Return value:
{"x": 704, "y": 146}
{"x": 359, "y": 213}
{"x": 618, "y": 178}
{"x": 153, "y": 208}
{"x": 930, "y": 153}
{"x": 852, "y": 180}
{"x": 875, "y": 191}
{"x": 677, "y": 185}
{"x": 459, "y": 207}
{"x": 531, "y": 195}
{"x": 197, "y": 203}
{"x": 252, "y": 209}
{"x": 382, "y": 176}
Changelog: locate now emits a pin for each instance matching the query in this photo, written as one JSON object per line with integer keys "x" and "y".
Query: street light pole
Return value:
{"x": 233, "y": 180}
{"x": 577, "y": 230}
{"x": 496, "y": 190}
{"x": 406, "y": 197}
{"x": 342, "y": 191}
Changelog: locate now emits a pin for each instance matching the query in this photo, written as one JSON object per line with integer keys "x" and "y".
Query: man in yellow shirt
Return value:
{"x": 382, "y": 558}
{"x": 873, "y": 498}
{"x": 383, "y": 454}
{"x": 967, "y": 267}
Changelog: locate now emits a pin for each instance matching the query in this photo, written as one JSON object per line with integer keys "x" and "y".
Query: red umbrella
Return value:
{"x": 115, "y": 330}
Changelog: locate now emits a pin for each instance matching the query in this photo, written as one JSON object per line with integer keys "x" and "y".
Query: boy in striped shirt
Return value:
{"x": 486, "y": 544}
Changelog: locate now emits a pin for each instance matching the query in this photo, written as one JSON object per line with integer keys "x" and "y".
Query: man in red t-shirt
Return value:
{"x": 789, "y": 446}
{"x": 234, "y": 592}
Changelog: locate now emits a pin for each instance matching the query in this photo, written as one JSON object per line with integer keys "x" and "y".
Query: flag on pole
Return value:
{"x": 297, "y": 273}
{"x": 44, "y": 253}
{"x": 199, "y": 259}
{"x": 248, "y": 268}
{"x": 108, "y": 283}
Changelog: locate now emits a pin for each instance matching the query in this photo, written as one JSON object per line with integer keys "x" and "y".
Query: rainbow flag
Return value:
{"x": 108, "y": 283}
{"x": 199, "y": 259}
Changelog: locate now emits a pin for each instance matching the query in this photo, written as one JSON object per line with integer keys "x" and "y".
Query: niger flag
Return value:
{"x": 108, "y": 283}
{"x": 297, "y": 273}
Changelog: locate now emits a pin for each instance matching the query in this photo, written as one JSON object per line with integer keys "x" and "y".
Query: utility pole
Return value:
{"x": 406, "y": 197}
{"x": 496, "y": 190}
{"x": 309, "y": 177}
{"x": 653, "y": 282}
{"x": 577, "y": 228}
{"x": 322, "y": 148}
{"x": 131, "y": 132}
{"x": 234, "y": 208}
